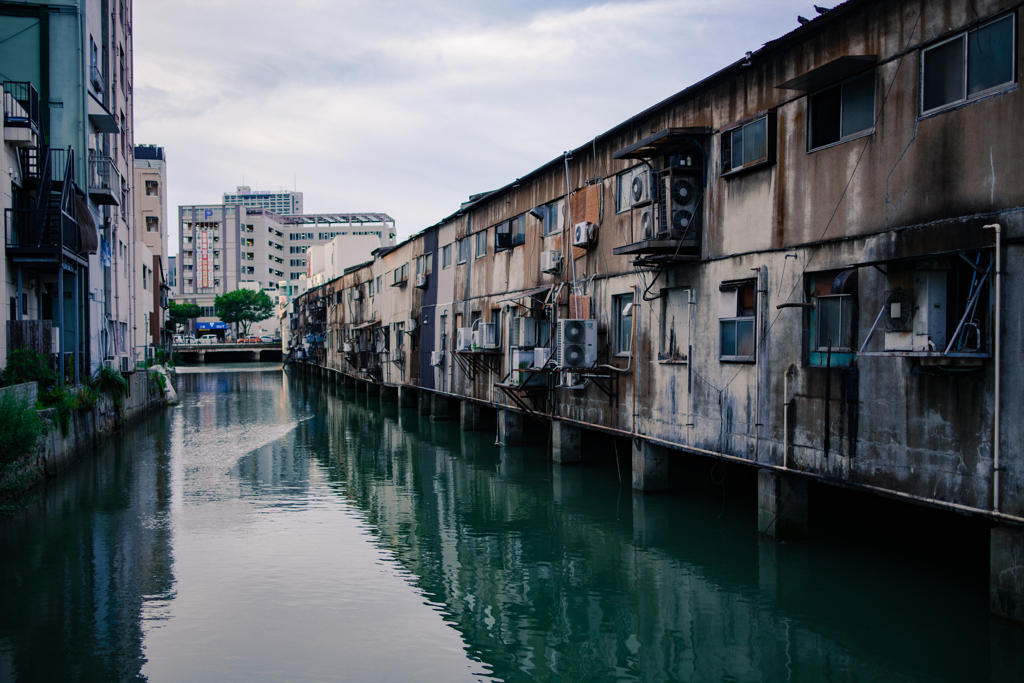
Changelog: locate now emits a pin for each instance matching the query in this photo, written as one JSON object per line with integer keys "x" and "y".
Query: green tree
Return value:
{"x": 182, "y": 313}
{"x": 243, "y": 306}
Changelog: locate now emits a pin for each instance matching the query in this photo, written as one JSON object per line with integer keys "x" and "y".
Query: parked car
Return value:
{"x": 252, "y": 339}
{"x": 267, "y": 340}
{"x": 209, "y": 339}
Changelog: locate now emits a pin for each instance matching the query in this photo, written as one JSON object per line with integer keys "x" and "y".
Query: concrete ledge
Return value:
{"x": 781, "y": 505}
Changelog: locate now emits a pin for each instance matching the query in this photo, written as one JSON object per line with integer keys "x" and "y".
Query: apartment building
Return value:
{"x": 282, "y": 202}
{"x": 153, "y": 273}
{"x": 800, "y": 264}
{"x": 223, "y": 246}
{"x": 70, "y": 255}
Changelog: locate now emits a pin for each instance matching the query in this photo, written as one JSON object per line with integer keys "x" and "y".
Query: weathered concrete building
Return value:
{"x": 802, "y": 263}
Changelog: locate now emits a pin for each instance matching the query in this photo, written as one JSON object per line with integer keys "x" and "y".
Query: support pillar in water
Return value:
{"x": 469, "y": 416}
{"x": 407, "y": 396}
{"x": 510, "y": 428}
{"x": 1006, "y": 574}
{"x": 425, "y": 400}
{"x": 373, "y": 389}
{"x": 781, "y": 505}
{"x": 360, "y": 386}
{"x": 566, "y": 443}
{"x": 650, "y": 466}
{"x": 439, "y": 407}
{"x": 388, "y": 393}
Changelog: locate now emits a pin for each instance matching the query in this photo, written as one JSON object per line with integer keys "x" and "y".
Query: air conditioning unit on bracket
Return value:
{"x": 583, "y": 234}
{"x": 648, "y": 223}
{"x": 421, "y": 281}
{"x": 551, "y": 261}
{"x": 464, "y": 339}
{"x": 681, "y": 193}
{"x": 436, "y": 358}
{"x": 485, "y": 337}
{"x": 576, "y": 344}
{"x": 640, "y": 188}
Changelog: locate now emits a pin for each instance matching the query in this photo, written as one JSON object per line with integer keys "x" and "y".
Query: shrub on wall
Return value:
{"x": 20, "y": 425}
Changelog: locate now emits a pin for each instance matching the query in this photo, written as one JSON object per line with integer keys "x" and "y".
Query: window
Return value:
{"x": 748, "y": 144}
{"x": 832, "y": 320}
{"x": 968, "y": 66}
{"x": 369, "y": 287}
{"x": 736, "y": 315}
{"x": 152, "y": 189}
{"x": 295, "y": 276}
{"x": 400, "y": 334}
{"x": 462, "y": 246}
{"x": 623, "y": 324}
{"x": 675, "y": 325}
{"x": 423, "y": 264}
{"x": 401, "y": 274}
{"x": 446, "y": 256}
{"x": 624, "y": 189}
{"x": 517, "y": 226}
{"x": 554, "y": 217}
{"x": 297, "y": 262}
{"x": 152, "y": 224}
{"x": 843, "y": 112}
{"x": 380, "y": 283}
{"x": 481, "y": 243}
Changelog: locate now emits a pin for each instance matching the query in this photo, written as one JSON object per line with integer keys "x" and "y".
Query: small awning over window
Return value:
{"x": 662, "y": 143}
{"x": 372, "y": 323}
{"x": 100, "y": 117}
{"x": 538, "y": 293}
{"x": 829, "y": 73}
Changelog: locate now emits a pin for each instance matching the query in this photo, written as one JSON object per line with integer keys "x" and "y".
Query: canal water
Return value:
{"x": 276, "y": 528}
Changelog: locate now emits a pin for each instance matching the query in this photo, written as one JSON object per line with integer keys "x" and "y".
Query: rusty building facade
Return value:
{"x": 805, "y": 263}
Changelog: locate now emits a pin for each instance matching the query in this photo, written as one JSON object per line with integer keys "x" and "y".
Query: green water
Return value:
{"x": 279, "y": 529}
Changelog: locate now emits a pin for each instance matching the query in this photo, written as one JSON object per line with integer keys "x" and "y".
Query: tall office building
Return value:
{"x": 282, "y": 202}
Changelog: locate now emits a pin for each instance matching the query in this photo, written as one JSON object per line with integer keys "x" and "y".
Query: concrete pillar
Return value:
{"x": 566, "y": 440}
{"x": 439, "y": 407}
{"x": 425, "y": 400}
{"x": 510, "y": 428}
{"x": 567, "y": 485}
{"x": 388, "y": 394}
{"x": 1006, "y": 573}
{"x": 650, "y": 466}
{"x": 469, "y": 416}
{"x": 781, "y": 505}
{"x": 361, "y": 386}
{"x": 373, "y": 389}
{"x": 407, "y": 396}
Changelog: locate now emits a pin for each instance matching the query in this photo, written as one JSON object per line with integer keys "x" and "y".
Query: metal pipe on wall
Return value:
{"x": 998, "y": 356}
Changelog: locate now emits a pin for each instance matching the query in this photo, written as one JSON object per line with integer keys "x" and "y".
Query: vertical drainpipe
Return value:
{"x": 998, "y": 356}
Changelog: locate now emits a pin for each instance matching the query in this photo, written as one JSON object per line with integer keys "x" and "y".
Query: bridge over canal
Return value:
{"x": 229, "y": 353}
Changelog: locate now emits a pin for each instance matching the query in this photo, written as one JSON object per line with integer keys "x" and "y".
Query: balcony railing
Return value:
{"x": 40, "y": 230}
{"x": 21, "y": 113}
{"x": 104, "y": 180}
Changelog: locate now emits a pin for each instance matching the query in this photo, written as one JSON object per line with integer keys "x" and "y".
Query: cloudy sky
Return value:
{"x": 410, "y": 107}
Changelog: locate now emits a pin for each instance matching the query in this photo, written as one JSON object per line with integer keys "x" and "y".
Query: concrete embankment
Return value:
{"x": 87, "y": 430}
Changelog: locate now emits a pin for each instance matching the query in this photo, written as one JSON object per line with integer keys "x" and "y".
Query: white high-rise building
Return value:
{"x": 282, "y": 202}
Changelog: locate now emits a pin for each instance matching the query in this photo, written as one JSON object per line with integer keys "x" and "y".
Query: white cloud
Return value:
{"x": 409, "y": 108}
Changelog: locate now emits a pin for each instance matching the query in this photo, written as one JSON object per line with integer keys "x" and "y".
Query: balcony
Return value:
{"x": 21, "y": 114}
{"x": 104, "y": 180}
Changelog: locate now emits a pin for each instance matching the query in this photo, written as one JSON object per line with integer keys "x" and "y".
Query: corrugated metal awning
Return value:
{"x": 531, "y": 292}
{"x": 830, "y": 73}
{"x": 662, "y": 143}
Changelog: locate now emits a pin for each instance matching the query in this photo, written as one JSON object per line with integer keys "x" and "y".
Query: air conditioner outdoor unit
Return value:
{"x": 486, "y": 336}
{"x": 550, "y": 261}
{"x": 464, "y": 339}
{"x": 503, "y": 240}
{"x": 582, "y": 234}
{"x": 125, "y": 364}
{"x": 576, "y": 343}
{"x": 437, "y": 358}
{"x": 682, "y": 211}
{"x": 640, "y": 190}
{"x": 421, "y": 281}
{"x": 514, "y": 323}
{"x": 356, "y": 295}
{"x": 647, "y": 224}
{"x": 346, "y": 347}
{"x": 541, "y": 356}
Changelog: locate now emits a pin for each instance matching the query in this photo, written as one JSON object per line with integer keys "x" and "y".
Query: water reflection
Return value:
{"x": 317, "y": 534}
{"x": 562, "y": 573}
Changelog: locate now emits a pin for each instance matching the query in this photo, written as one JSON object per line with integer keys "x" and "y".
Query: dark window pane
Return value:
{"x": 858, "y": 104}
{"x": 825, "y": 117}
{"x": 728, "y": 338}
{"x": 744, "y": 337}
{"x": 737, "y": 148}
{"x": 829, "y": 323}
{"x": 745, "y": 300}
{"x": 990, "y": 56}
{"x": 944, "y": 74}
{"x": 726, "y": 152}
{"x": 755, "y": 141}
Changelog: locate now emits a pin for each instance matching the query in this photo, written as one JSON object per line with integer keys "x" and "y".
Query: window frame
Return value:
{"x": 811, "y": 147}
{"x": 968, "y": 98}
{"x": 735, "y": 320}
{"x": 446, "y": 256}
{"x": 462, "y": 250}
{"x": 623, "y": 347}
{"x": 554, "y": 213}
{"x": 771, "y": 127}
{"x": 479, "y": 242}
{"x": 664, "y": 348}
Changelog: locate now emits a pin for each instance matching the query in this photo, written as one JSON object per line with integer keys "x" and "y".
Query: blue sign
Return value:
{"x": 212, "y": 326}
{"x": 209, "y": 214}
